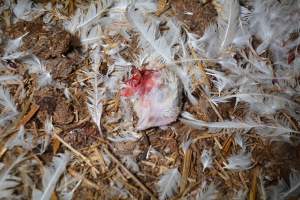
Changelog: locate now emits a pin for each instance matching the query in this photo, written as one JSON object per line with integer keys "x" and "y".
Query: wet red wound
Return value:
{"x": 141, "y": 82}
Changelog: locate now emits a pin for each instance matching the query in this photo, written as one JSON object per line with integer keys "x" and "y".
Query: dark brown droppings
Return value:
{"x": 52, "y": 103}
{"x": 195, "y": 15}
{"x": 43, "y": 41}
{"x": 48, "y": 103}
{"x": 82, "y": 136}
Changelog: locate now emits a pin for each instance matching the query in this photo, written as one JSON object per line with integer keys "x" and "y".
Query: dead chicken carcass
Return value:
{"x": 155, "y": 95}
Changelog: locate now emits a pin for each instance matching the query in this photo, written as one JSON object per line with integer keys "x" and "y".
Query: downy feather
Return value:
{"x": 45, "y": 140}
{"x": 207, "y": 45}
{"x": 92, "y": 36}
{"x": 51, "y": 176}
{"x": 241, "y": 195}
{"x": 11, "y": 48}
{"x": 67, "y": 186}
{"x": 273, "y": 22}
{"x": 241, "y": 161}
{"x": 21, "y": 140}
{"x": 168, "y": 183}
{"x": 185, "y": 145}
{"x": 206, "y": 159}
{"x": 240, "y": 141}
{"x": 27, "y": 10}
{"x": 130, "y": 162}
{"x": 118, "y": 191}
{"x": 35, "y": 66}
{"x": 207, "y": 192}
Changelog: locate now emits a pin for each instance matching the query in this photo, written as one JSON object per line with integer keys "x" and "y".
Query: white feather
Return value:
{"x": 48, "y": 128}
{"x": 257, "y": 101}
{"x": 92, "y": 16}
{"x": 168, "y": 183}
{"x": 95, "y": 93}
{"x": 266, "y": 130}
{"x": 148, "y": 32}
{"x": 92, "y": 36}
{"x": 206, "y": 159}
{"x": 35, "y": 66}
{"x": 130, "y": 162}
{"x": 21, "y": 140}
{"x": 186, "y": 145}
{"x": 51, "y": 176}
{"x": 94, "y": 12}
{"x": 6, "y": 101}
{"x": 241, "y": 161}
{"x": 67, "y": 186}
{"x": 11, "y": 48}
{"x": 27, "y": 10}
{"x": 273, "y": 22}
{"x": 221, "y": 80}
{"x": 241, "y": 195}
{"x": 207, "y": 192}
{"x": 118, "y": 191}
{"x": 240, "y": 141}
{"x": 228, "y": 24}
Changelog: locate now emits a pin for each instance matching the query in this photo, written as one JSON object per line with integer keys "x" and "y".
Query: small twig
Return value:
{"x": 148, "y": 191}
{"x": 74, "y": 126}
{"x": 85, "y": 180}
{"x": 217, "y": 113}
{"x": 189, "y": 190}
{"x": 253, "y": 191}
{"x": 227, "y": 144}
{"x": 26, "y": 118}
{"x": 208, "y": 135}
{"x": 121, "y": 178}
{"x": 85, "y": 159}
{"x": 224, "y": 174}
{"x": 212, "y": 105}
{"x": 185, "y": 170}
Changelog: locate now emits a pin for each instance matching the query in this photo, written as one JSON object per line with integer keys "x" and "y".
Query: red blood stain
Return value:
{"x": 141, "y": 82}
